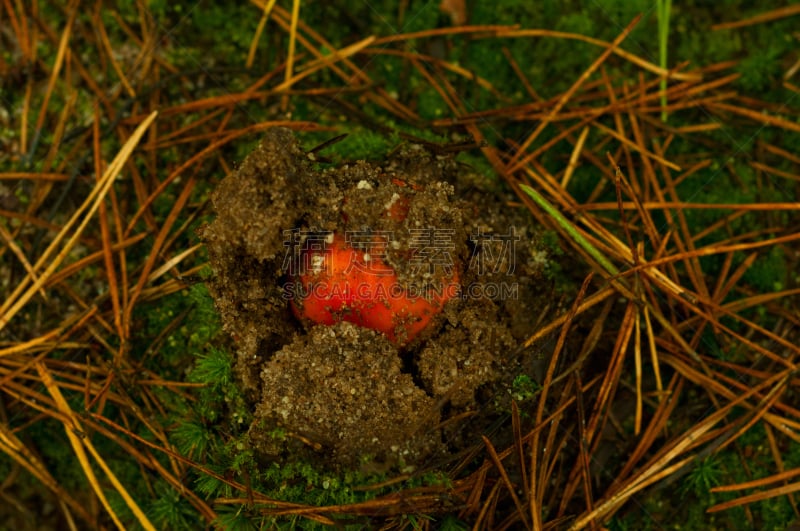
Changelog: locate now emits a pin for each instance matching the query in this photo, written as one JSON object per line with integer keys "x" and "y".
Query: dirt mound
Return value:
{"x": 343, "y": 392}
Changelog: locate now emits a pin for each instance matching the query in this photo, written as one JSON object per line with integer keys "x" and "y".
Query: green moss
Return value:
{"x": 704, "y": 476}
{"x": 220, "y": 393}
{"x": 363, "y": 144}
{"x": 233, "y": 518}
{"x": 192, "y": 438}
{"x": 769, "y": 271}
{"x": 170, "y": 510}
{"x": 430, "y": 104}
{"x": 524, "y": 388}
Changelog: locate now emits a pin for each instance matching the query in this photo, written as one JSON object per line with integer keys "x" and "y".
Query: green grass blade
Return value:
{"x": 570, "y": 229}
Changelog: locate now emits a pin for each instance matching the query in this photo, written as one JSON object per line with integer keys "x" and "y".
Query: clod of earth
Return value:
{"x": 370, "y": 377}
{"x": 350, "y": 401}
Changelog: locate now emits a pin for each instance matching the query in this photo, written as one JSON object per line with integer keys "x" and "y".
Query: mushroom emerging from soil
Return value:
{"x": 449, "y": 280}
{"x": 340, "y": 283}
